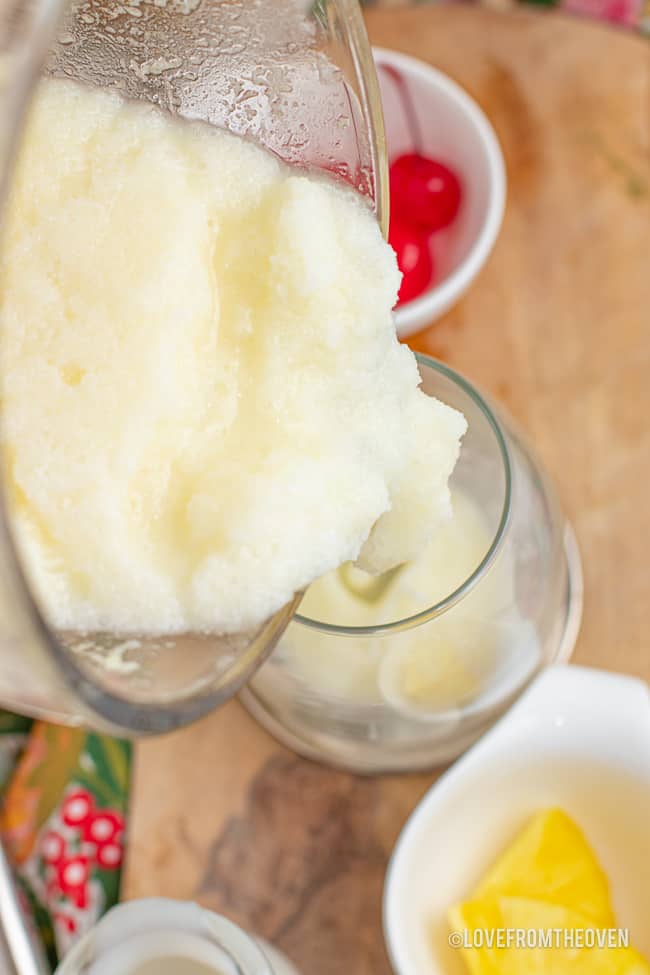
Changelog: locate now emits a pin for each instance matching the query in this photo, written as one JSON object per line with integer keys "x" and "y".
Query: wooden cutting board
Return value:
{"x": 558, "y": 327}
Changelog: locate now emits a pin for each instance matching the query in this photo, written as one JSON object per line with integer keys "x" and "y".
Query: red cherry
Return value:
{"x": 423, "y": 191}
{"x": 413, "y": 258}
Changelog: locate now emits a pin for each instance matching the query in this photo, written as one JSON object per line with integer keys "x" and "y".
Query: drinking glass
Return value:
{"x": 499, "y": 597}
{"x": 298, "y": 78}
{"x": 156, "y": 934}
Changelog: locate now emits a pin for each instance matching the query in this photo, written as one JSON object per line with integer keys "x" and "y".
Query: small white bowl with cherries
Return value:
{"x": 447, "y": 186}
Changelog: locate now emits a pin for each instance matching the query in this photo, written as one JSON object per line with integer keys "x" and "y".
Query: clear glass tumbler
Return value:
{"x": 404, "y": 671}
{"x": 299, "y": 79}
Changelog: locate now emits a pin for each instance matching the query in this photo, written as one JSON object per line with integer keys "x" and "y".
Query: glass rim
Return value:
{"x": 371, "y": 105}
{"x": 454, "y": 597}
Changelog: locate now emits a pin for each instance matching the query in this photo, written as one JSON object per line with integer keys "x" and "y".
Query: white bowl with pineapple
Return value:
{"x": 542, "y": 826}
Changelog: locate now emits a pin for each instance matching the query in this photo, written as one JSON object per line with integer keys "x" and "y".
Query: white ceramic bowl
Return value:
{"x": 578, "y": 739}
{"x": 456, "y": 132}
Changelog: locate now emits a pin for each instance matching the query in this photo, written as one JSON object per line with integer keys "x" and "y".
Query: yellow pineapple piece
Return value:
{"x": 551, "y": 861}
{"x": 562, "y": 957}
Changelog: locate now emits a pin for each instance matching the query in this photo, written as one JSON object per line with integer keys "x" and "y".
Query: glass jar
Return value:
{"x": 297, "y": 78}
{"x": 404, "y": 671}
{"x": 158, "y": 936}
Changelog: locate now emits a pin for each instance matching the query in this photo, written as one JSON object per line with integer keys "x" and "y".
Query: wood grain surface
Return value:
{"x": 558, "y": 327}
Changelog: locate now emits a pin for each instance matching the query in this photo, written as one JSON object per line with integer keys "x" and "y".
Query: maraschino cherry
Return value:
{"x": 425, "y": 197}
{"x": 413, "y": 253}
{"x": 424, "y": 189}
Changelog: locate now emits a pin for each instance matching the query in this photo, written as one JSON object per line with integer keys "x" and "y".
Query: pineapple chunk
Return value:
{"x": 560, "y": 958}
{"x": 548, "y": 881}
{"x": 551, "y": 860}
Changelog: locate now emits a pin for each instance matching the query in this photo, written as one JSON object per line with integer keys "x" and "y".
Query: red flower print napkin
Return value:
{"x": 64, "y": 801}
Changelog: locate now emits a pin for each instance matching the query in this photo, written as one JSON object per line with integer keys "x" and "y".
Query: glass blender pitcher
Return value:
{"x": 298, "y": 79}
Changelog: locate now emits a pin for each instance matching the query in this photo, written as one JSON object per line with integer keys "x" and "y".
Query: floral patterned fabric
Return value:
{"x": 626, "y": 13}
{"x": 634, "y": 14}
{"x": 63, "y": 823}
